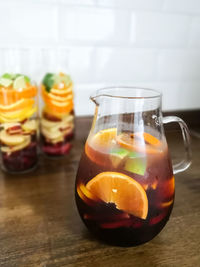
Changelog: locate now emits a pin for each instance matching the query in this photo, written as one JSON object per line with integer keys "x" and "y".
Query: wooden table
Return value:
{"x": 40, "y": 226}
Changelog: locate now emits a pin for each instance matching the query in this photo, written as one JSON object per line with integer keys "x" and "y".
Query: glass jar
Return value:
{"x": 19, "y": 123}
{"x": 57, "y": 118}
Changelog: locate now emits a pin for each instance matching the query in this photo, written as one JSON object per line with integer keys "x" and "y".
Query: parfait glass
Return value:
{"x": 18, "y": 123}
{"x": 57, "y": 112}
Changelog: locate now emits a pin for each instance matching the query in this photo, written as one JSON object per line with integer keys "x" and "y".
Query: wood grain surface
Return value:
{"x": 40, "y": 225}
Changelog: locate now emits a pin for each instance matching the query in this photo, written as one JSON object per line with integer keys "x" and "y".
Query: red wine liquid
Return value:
{"x": 117, "y": 226}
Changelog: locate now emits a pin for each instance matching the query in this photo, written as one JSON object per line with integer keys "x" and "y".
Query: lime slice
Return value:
{"x": 64, "y": 78}
{"x": 19, "y": 82}
{"x": 9, "y": 76}
{"x": 118, "y": 155}
{"x": 135, "y": 163}
{"x": 5, "y": 82}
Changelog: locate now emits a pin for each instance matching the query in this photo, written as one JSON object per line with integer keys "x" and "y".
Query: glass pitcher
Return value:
{"x": 125, "y": 182}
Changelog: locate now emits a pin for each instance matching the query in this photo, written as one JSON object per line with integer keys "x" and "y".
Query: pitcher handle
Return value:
{"x": 185, "y": 163}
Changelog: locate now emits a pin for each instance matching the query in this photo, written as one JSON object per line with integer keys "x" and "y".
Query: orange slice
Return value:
{"x": 9, "y": 95}
{"x": 57, "y": 106}
{"x": 62, "y": 92}
{"x": 20, "y": 104}
{"x": 60, "y": 98}
{"x": 60, "y": 109}
{"x": 15, "y": 116}
{"x": 85, "y": 194}
{"x": 104, "y": 138}
{"x": 141, "y": 142}
{"x": 167, "y": 188}
{"x": 126, "y": 193}
{"x": 101, "y": 142}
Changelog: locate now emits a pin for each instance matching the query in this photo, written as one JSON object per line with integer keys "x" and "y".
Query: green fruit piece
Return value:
{"x": 5, "y": 82}
{"x": 27, "y": 79}
{"x": 135, "y": 163}
{"x": 8, "y": 76}
{"x": 15, "y": 76}
{"x": 19, "y": 83}
{"x": 48, "y": 81}
{"x": 118, "y": 155}
{"x": 66, "y": 79}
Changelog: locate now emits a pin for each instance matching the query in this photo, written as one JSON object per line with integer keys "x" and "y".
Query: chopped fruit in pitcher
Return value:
{"x": 118, "y": 156}
{"x": 57, "y": 123}
{"x": 135, "y": 163}
{"x": 120, "y": 189}
{"x": 18, "y": 134}
{"x": 125, "y": 185}
{"x": 141, "y": 142}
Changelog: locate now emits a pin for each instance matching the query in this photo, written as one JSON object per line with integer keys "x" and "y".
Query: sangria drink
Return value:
{"x": 125, "y": 181}
{"x": 125, "y": 186}
{"x": 57, "y": 123}
{"x": 18, "y": 118}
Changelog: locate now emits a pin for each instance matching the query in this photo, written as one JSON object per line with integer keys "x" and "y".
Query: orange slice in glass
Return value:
{"x": 100, "y": 142}
{"x": 20, "y": 104}
{"x": 9, "y": 95}
{"x": 59, "y": 108}
{"x": 126, "y": 193}
{"x": 62, "y": 92}
{"x": 141, "y": 142}
{"x": 104, "y": 137}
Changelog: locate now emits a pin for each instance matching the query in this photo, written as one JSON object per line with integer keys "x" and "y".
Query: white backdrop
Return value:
{"x": 150, "y": 43}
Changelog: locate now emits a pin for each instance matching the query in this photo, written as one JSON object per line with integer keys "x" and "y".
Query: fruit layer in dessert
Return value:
{"x": 18, "y": 134}
{"x": 57, "y": 123}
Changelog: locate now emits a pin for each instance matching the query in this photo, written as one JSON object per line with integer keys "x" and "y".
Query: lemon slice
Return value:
{"x": 19, "y": 115}
{"x": 5, "y": 82}
{"x": 19, "y": 82}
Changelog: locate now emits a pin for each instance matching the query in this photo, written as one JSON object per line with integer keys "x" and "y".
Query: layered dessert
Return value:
{"x": 57, "y": 122}
{"x": 18, "y": 118}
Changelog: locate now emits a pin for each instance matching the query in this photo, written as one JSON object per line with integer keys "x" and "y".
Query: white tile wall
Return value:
{"x": 136, "y": 4}
{"x": 181, "y": 65}
{"x": 158, "y": 29}
{"x": 195, "y": 32}
{"x": 94, "y": 25}
{"x": 122, "y": 65}
{"x": 185, "y": 6}
{"x": 150, "y": 43}
{"x": 29, "y": 23}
